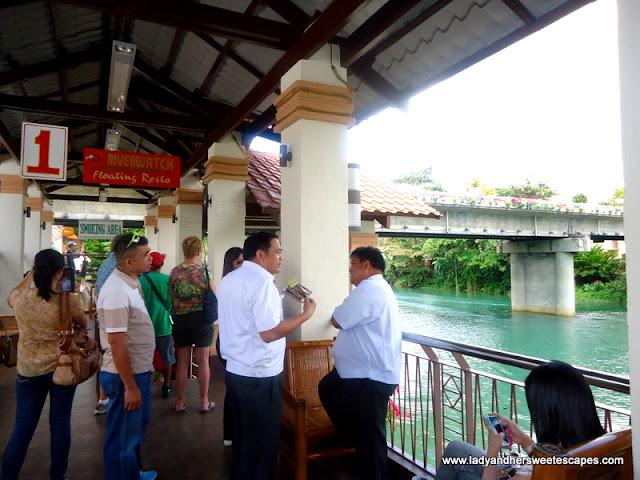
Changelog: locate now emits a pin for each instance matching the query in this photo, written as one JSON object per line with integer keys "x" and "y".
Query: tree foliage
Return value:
{"x": 597, "y": 265}
{"x": 421, "y": 178}
{"x": 579, "y": 198}
{"x": 540, "y": 190}
{"x": 461, "y": 264}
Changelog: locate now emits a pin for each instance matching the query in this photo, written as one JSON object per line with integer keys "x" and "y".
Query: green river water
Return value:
{"x": 596, "y": 338}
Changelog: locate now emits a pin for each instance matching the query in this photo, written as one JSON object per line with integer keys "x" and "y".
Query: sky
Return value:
{"x": 545, "y": 109}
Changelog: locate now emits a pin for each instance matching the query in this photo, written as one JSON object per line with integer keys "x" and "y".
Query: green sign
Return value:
{"x": 99, "y": 229}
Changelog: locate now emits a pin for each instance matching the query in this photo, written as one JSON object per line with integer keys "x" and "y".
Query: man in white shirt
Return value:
{"x": 252, "y": 342}
{"x": 127, "y": 334}
{"x": 367, "y": 355}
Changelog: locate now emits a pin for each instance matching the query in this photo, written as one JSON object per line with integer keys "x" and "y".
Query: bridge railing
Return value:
{"x": 442, "y": 398}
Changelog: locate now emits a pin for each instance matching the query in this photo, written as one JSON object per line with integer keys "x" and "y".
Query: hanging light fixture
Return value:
{"x": 122, "y": 56}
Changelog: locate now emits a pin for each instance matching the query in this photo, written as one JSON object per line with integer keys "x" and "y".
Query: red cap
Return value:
{"x": 157, "y": 260}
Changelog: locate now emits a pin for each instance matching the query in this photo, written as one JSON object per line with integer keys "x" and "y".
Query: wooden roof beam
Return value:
{"x": 197, "y": 17}
{"x": 223, "y": 52}
{"x": 9, "y": 143}
{"x": 521, "y": 11}
{"x": 323, "y": 29}
{"x": 207, "y": 107}
{"x": 289, "y": 11}
{"x": 380, "y": 85}
{"x": 232, "y": 55}
{"x": 51, "y": 66}
{"x": 373, "y": 30}
{"x": 259, "y": 125}
{"x": 88, "y": 112}
{"x": 403, "y": 31}
{"x": 176, "y": 44}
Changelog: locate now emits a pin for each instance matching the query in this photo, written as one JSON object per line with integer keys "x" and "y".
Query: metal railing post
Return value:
{"x": 437, "y": 401}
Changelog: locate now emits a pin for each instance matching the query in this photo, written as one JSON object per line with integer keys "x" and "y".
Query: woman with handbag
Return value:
{"x": 188, "y": 284}
{"x": 37, "y": 311}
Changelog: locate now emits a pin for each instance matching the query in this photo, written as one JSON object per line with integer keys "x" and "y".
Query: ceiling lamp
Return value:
{"x": 112, "y": 139}
{"x": 122, "y": 56}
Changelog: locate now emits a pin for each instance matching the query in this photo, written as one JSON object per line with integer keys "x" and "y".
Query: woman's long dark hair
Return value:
{"x": 46, "y": 264}
{"x": 232, "y": 254}
{"x": 561, "y": 404}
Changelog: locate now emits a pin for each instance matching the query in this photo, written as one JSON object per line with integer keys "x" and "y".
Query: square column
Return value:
{"x": 226, "y": 174}
{"x": 313, "y": 113}
{"x": 628, "y": 45}
{"x": 12, "y": 204}
{"x": 151, "y": 229}
{"x": 46, "y": 217}
{"x": 167, "y": 233}
{"x": 32, "y": 228}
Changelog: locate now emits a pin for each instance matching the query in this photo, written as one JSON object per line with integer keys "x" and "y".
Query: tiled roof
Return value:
{"x": 377, "y": 198}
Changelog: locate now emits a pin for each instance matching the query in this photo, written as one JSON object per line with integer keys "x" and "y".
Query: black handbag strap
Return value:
{"x": 155, "y": 290}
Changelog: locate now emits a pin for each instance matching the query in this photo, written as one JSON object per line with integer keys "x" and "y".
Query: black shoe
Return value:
{"x": 167, "y": 391}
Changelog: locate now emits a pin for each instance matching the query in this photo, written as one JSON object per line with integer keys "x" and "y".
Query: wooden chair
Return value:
{"x": 616, "y": 444}
{"x": 303, "y": 415}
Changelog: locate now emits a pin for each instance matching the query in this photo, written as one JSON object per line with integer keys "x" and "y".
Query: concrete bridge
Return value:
{"x": 541, "y": 245}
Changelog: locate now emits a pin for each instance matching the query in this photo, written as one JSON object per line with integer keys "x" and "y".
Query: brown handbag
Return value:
{"x": 79, "y": 357}
{"x": 8, "y": 347}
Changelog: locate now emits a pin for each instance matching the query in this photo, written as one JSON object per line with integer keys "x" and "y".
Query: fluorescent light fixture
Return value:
{"x": 122, "y": 56}
{"x": 112, "y": 140}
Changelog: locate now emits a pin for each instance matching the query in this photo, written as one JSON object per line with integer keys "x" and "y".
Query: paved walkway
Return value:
{"x": 180, "y": 447}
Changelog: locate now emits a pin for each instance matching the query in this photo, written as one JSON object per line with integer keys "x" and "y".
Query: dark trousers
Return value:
{"x": 257, "y": 408}
{"x": 31, "y": 394}
{"x": 358, "y": 409}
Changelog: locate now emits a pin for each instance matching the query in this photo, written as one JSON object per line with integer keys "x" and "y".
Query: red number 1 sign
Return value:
{"x": 44, "y": 151}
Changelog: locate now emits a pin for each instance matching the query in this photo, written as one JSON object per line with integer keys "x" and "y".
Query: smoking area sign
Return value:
{"x": 99, "y": 229}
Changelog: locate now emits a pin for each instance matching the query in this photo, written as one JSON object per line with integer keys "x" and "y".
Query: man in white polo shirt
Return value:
{"x": 367, "y": 355}
{"x": 127, "y": 334}
{"x": 252, "y": 342}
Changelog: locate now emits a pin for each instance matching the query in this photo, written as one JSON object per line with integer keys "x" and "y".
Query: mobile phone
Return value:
{"x": 67, "y": 282}
{"x": 495, "y": 423}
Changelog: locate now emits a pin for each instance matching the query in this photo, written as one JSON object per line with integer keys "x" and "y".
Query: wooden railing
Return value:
{"x": 442, "y": 398}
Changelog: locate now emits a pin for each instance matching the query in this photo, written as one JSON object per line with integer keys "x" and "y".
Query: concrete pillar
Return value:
{"x": 46, "y": 217}
{"x": 167, "y": 233}
{"x": 188, "y": 201}
{"x": 629, "y": 45}
{"x": 151, "y": 229}
{"x": 32, "y": 226}
{"x": 226, "y": 174}
{"x": 542, "y": 278}
{"x": 313, "y": 114}
{"x": 12, "y": 204}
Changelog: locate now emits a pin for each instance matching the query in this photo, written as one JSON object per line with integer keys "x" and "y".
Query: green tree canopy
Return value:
{"x": 422, "y": 178}
{"x": 579, "y": 198}
{"x": 528, "y": 190}
{"x": 597, "y": 265}
{"x": 618, "y": 196}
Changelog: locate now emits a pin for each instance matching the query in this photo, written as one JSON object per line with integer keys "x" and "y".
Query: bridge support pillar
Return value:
{"x": 542, "y": 278}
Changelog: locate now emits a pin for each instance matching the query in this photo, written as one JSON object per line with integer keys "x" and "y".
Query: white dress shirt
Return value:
{"x": 249, "y": 303}
{"x": 369, "y": 345}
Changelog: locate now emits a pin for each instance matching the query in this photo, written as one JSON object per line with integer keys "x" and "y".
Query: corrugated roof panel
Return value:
{"x": 193, "y": 62}
{"x": 78, "y": 27}
{"x": 153, "y": 42}
{"x": 262, "y": 58}
{"x": 540, "y": 7}
{"x": 232, "y": 83}
{"x": 43, "y": 85}
{"x": 235, "y": 5}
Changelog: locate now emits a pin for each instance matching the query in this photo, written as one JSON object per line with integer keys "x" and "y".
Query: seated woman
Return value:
{"x": 562, "y": 412}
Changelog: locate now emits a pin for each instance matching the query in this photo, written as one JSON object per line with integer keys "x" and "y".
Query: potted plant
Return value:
{"x": 508, "y": 203}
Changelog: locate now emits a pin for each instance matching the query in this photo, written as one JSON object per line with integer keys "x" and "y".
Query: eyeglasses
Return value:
{"x": 134, "y": 239}
{"x": 238, "y": 262}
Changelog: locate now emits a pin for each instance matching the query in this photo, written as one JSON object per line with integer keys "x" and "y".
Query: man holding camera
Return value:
{"x": 129, "y": 340}
{"x": 367, "y": 355}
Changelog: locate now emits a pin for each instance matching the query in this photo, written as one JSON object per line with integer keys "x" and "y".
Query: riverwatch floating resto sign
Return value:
{"x": 134, "y": 169}
{"x": 99, "y": 229}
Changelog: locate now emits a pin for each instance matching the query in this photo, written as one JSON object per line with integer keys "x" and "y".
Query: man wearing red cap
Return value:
{"x": 155, "y": 287}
